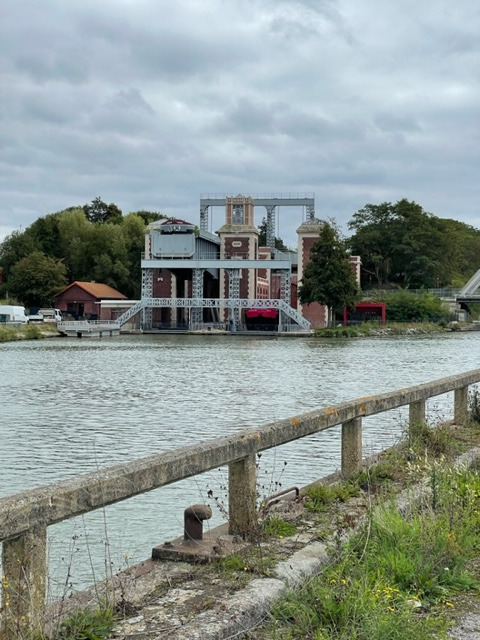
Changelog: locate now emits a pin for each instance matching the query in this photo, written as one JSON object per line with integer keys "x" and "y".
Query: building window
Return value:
{"x": 238, "y": 214}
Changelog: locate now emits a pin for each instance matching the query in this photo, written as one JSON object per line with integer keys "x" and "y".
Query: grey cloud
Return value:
{"x": 394, "y": 122}
{"x": 150, "y": 103}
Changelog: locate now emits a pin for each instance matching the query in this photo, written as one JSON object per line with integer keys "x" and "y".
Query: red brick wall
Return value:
{"x": 236, "y": 245}
{"x": 315, "y": 313}
{"x": 162, "y": 283}
{"x": 76, "y": 296}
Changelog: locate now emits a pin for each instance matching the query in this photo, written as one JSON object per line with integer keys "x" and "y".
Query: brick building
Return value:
{"x": 194, "y": 279}
{"x": 83, "y": 299}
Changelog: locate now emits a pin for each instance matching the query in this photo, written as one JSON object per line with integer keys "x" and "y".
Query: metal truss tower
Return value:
{"x": 147, "y": 292}
{"x": 197, "y": 294}
{"x": 234, "y": 295}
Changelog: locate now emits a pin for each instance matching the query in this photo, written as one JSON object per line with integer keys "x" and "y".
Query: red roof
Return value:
{"x": 176, "y": 221}
{"x": 96, "y": 289}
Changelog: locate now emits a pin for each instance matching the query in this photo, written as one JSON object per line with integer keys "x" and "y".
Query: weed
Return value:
{"x": 392, "y": 570}
{"x": 252, "y": 561}
{"x": 278, "y": 528}
{"x": 370, "y": 479}
{"x": 269, "y": 481}
{"x": 32, "y": 332}
{"x": 320, "y": 496}
{"x": 232, "y": 563}
{"x": 422, "y": 438}
{"x": 84, "y": 624}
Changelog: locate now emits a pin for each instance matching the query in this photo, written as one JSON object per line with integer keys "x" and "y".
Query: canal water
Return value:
{"x": 70, "y": 406}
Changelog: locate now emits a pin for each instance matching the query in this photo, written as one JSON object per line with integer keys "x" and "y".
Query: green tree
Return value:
{"x": 46, "y": 234}
{"x": 148, "y": 216}
{"x": 99, "y": 211}
{"x": 15, "y": 247}
{"x": 74, "y": 230}
{"x": 406, "y": 306}
{"x": 262, "y": 238}
{"x": 402, "y": 245}
{"x": 133, "y": 229}
{"x": 328, "y": 277}
{"x": 36, "y": 278}
{"x": 107, "y": 252}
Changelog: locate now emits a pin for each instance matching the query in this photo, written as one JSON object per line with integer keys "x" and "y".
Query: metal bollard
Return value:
{"x": 194, "y": 517}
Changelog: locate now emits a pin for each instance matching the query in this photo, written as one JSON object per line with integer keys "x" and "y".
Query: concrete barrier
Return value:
{"x": 25, "y": 517}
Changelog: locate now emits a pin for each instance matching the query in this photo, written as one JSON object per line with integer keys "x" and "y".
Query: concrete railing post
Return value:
{"x": 416, "y": 412}
{"x": 242, "y": 492}
{"x": 24, "y": 577}
{"x": 351, "y": 447}
{"x": 460, "y": 411}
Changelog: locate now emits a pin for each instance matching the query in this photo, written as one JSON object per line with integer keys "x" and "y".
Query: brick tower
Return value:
{"x": 308, "y": 233}
{"x": 239, "y": 241}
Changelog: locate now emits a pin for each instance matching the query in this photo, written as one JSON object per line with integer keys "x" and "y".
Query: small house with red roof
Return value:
{"x": 82, "y": 299}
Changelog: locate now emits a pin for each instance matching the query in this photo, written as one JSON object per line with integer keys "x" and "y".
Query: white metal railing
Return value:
{"x": 258, "y": 196}
{"x": 217, "y": 303}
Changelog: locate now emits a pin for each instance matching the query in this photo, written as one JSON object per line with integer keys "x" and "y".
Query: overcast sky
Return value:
{"x": 151, "y": 103}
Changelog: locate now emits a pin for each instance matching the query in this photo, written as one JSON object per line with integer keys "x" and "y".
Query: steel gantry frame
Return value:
{"x": 233, "y": 303}
{"x": 270, "y": 201}
{"x": 216, "y": 303}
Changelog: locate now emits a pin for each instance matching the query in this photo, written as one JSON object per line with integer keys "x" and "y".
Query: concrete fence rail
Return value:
{"x": 25, "y": 517}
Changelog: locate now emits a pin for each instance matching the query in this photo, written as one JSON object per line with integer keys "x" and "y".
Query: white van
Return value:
{"x": 10, "y": 314}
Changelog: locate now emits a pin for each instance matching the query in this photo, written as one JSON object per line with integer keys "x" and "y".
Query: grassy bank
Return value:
{"x": 391, "y": 573}
{"x": 390, "y": 329}
{"x": 26, "y": 332}
{"x": 405, "y": 572}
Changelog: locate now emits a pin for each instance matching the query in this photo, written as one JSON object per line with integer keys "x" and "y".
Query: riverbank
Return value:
{"x": 27, "y": 332}
{"x": 367, "y": 330}
{"x": 296, "y": 541}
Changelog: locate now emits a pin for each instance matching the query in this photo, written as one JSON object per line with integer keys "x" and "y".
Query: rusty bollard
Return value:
{"x": 194, "y": 517}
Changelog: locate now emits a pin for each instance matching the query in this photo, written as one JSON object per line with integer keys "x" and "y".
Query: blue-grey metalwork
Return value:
{"x": 234, "y": 296}
{"x": 267, "y": 200}
{"x": 147, "y": 292}
{"x": 270, "y": 239}
{"x": 285, "y": 286}
{"x": 197, "y": 293}
{"x": 216, "y": 303}
{"x": 204, "y": 217}
{"x": 284, "y": 262}
{"x": 470, "y": 290}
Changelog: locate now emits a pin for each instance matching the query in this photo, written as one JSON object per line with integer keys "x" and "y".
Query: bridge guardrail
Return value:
{"x": 25, "y": 517}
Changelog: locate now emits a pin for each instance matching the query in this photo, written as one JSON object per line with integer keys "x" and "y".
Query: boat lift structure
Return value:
{"x": 271, "y": 202}
{"x": 193, "y": 279}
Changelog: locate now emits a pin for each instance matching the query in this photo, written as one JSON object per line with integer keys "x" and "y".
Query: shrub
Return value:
{"x": 406, "y": 306}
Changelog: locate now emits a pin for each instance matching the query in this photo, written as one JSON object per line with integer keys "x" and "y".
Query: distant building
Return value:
{"x": 365, "y": 312}
{"x": 194, "y": 279}
{"x": 83, "y": 299}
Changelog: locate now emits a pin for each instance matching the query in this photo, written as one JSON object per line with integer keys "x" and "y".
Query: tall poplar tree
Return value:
{"x": 328, "y": 277}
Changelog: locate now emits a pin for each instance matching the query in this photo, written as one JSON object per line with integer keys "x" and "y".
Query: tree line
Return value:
{"x": 94, "y": 242}
{"x": 400, "y": 245}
